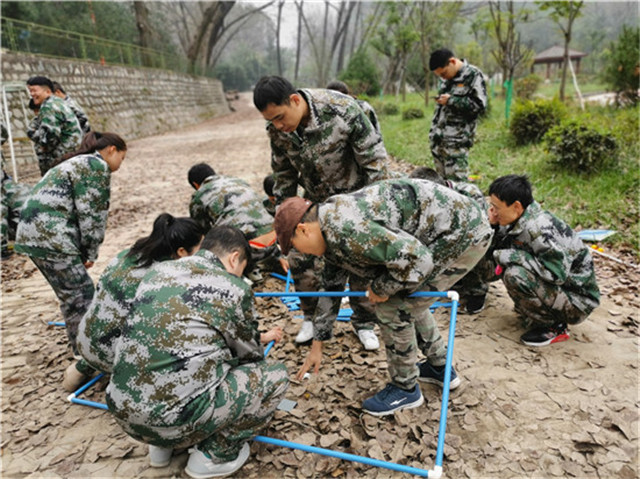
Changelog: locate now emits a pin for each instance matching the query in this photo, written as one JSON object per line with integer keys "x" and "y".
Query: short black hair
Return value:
{"x": 268, "y": 183}
{"x": 338, "y": 85}
{"x": 439, "y": 58}
{"x": 40, "y": 81}
{"x": 272, "y": 89}
{"x": 198, "y": 173}
{"x": 57, "y": 86}
{"x": 512, "y": 188}
{"x": 426, "y": 173}
{"x": 224, "y": 240}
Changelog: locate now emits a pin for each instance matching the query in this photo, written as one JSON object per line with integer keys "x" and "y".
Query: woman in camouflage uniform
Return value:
{"x": 101, "y": 326}
{"x": 63, "y": 222}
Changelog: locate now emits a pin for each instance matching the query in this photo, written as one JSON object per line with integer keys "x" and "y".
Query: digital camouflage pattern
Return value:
{"x": 548, "y": 270}
{"x": 77, "y": 110}
{"x": 104, "y": 321}
{"x": 403, "y": 236}
{"x": 453, "y": 127}
{"x": 228, "y": 201}
{"x": 13, "y": 197}
{"x": 189, "y": 367}
{"x": 338, "y": 151}
{"x": 66, "y": 213}
{"x": 55, "y": 132}
{"x": 371, "y": 113}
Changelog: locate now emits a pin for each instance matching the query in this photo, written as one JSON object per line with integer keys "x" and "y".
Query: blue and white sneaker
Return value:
{"x": 392, "y": 399}
{"x": 435, "y": 375}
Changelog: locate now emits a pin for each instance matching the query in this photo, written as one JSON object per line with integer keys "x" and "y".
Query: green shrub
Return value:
{"x": 577, "y": 146}
{"x": 412, "y": 113}
{"x": 389, "y": 109}
{"x": 531, "y": 119}
{"x": 527, "y": 86}
{"x": 361, "y": 74}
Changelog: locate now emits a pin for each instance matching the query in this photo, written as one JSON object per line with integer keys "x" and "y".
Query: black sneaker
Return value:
{"x": 545, "y": 335}
{"x": 435, "y": 375}
{"x": 392, "y": 399}
{"x": 475, "y": 304}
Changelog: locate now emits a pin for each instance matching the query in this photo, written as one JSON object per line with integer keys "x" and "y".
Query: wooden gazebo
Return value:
{"x": 555, "y": 56}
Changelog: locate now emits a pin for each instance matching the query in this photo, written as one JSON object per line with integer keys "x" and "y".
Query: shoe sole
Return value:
{"x": 412, "y": 405}
{"x": 207, "y": 475}
{"x": 160, "y": 464}
{"x": 558, "y": 339}
{"x": 452, "y": 384}
{"x": 466, "y": 311}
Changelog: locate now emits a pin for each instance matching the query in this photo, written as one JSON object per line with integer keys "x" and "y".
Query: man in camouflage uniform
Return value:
{"x": 83, "y": 120}
{"x": 13, "y": 197}
{"x": 546, "y": 268}
{"x": 190, "y": 368}
{"x": 461, "y": 99}
{"x": 400, "y": 236}
{"x": 322, "y": 141}
{"x": 343, "y": 88}
{"x": 56, "y": 130}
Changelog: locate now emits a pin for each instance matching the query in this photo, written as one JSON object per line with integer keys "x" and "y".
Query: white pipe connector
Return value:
{"x": 436, "y": 473}
{"x": 71, "y": 396}
{"x": 453, "y": 296}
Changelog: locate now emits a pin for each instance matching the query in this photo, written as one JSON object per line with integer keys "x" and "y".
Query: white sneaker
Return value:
{"x": 368, "y": 339}
{"x": 306, "y": 332}
{"x": 159, "y": 456}
{"x": 202, "y": 467}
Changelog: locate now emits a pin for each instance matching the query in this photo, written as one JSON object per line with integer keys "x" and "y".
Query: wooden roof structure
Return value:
{"x": 555, "y": 54}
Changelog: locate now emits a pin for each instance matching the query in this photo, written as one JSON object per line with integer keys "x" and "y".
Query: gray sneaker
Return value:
{"x": 159, "y": 456}
{"x": 201, "y": 466}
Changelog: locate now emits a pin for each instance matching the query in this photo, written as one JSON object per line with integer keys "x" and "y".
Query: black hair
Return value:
{"x": 311, "y": 215}
{"x": 440, "y": 58}
{"x": 340, "y": 86}
{"x": 268, "y": 184}
{"x": 272, "y": 89}
{"x": 94, "y": 140}
{"x": 57, "y": 86}
{"x": 198, "y": 173}
{"x": 40, "y": 81}
{"x": 512, "y": 188}
{"x": 426, "y": 173}
{"x": 168, "y": 235}
{"x": 224, "y": 240}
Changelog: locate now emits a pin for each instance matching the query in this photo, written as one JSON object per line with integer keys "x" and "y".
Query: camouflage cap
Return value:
{"x": 287, "y": 218}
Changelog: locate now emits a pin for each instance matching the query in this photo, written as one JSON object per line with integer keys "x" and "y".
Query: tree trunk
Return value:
{"x": 298, "y": 43}
{"x": 278, "y": 26}
{"x": 144, "y": 30}
{"x": 213, "y": 15}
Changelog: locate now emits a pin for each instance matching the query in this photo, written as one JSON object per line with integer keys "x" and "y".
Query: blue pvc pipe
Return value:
{"x": 279, "y": 276}
{"x": 343, "y": 455}
{"x": 88, "y": 385}
{"x": 340, "y": 294}
{"x": 268, "y": 348}
{"x": 86, "y": 402}
{"x": 56, "y": 323}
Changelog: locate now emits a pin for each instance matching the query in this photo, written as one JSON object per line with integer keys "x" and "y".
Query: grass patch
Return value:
{"x": 607, "y": 199}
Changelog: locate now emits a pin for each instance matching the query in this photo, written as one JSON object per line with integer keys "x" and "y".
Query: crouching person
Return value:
{"x": 189, "y": 369}
{"x": 399, "y": 236}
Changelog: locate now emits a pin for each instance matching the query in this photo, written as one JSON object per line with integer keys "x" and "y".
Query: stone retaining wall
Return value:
{"x": 133, "y": 102}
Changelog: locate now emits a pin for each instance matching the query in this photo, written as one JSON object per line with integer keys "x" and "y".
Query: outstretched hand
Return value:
{"x": 314, "y": 358}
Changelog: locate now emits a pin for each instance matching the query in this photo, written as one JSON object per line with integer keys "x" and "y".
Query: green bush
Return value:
{"x": 577, "y": 146}
{"x": 412, "y": 113}
{"x": 527, "y": 86}
{"x": 361, "y": 74}
{"x": 532, "y": 119}
{"x": 389, "y": 109}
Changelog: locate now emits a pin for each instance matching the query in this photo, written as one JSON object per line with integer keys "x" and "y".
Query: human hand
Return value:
{"x": 274, "y": 334}
{"x": 284, "y": 263}
{"x": 443, "y": 99}
{"x": 314, "y": 358}
{"x": 374, "y": 298}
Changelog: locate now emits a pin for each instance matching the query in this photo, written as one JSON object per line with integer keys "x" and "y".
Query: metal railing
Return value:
{"x": 20, "y": 36}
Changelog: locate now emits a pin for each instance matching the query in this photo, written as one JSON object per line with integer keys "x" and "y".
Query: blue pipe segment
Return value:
{"x": 343, "y": 455}
{"x": 87, "y": 385}
{"x": 86, "y": 402}
{"x": 56, "y": 323}
{"x": 268, "y": 348}
{"x": 340, "y": 294}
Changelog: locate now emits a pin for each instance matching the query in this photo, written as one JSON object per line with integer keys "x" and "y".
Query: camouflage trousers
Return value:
{"x": 306, "y": 271}
{"x": 72, "y": 285}
{"x": 543, "y": 302}
{"x": 407, "y": 325}
{"x": 451, "y": 160}
{"x": 240, "y": 406}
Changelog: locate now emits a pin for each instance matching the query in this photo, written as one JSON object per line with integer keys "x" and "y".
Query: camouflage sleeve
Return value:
{"x": 333, "y": 279}
{"x": 367, "y": 145}
{"x": 91, "y": 197}
{"x": 284, "y": 173}
{"x": 33, "y": 130}
{"x": 49, "y": 130}
{"x": 198, "y": 213}
{"x": 244, "y": 338}
{"x": 473, "y": 100}
{"x": 550, "y": 264}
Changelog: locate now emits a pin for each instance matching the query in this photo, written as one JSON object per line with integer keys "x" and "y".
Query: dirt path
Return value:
{"x": 570, "y": 410}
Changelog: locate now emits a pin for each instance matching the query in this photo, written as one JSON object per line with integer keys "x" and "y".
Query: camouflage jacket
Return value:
{"x": 456, "y": 121}
{"x": 66, "y": 213}
{"x": 470, "y": 190}
{"x": 400, "y": 234}
{"x": 83, "y": 120}
{"x": 56, "y": 130}
{"x": 545, "y": 245}
{"x": 338, "y": 151}
{"x": 14, "y": 194}
{"x": 371, "y": 113}
{"x": 104, "y": 321}
{"x": 191, "y": 323}
{"x": 224, "y": 200}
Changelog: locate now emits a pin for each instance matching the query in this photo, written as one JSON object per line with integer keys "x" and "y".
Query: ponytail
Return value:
{"x": 94, "y": 140}
{"x": 168, "y": 235}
